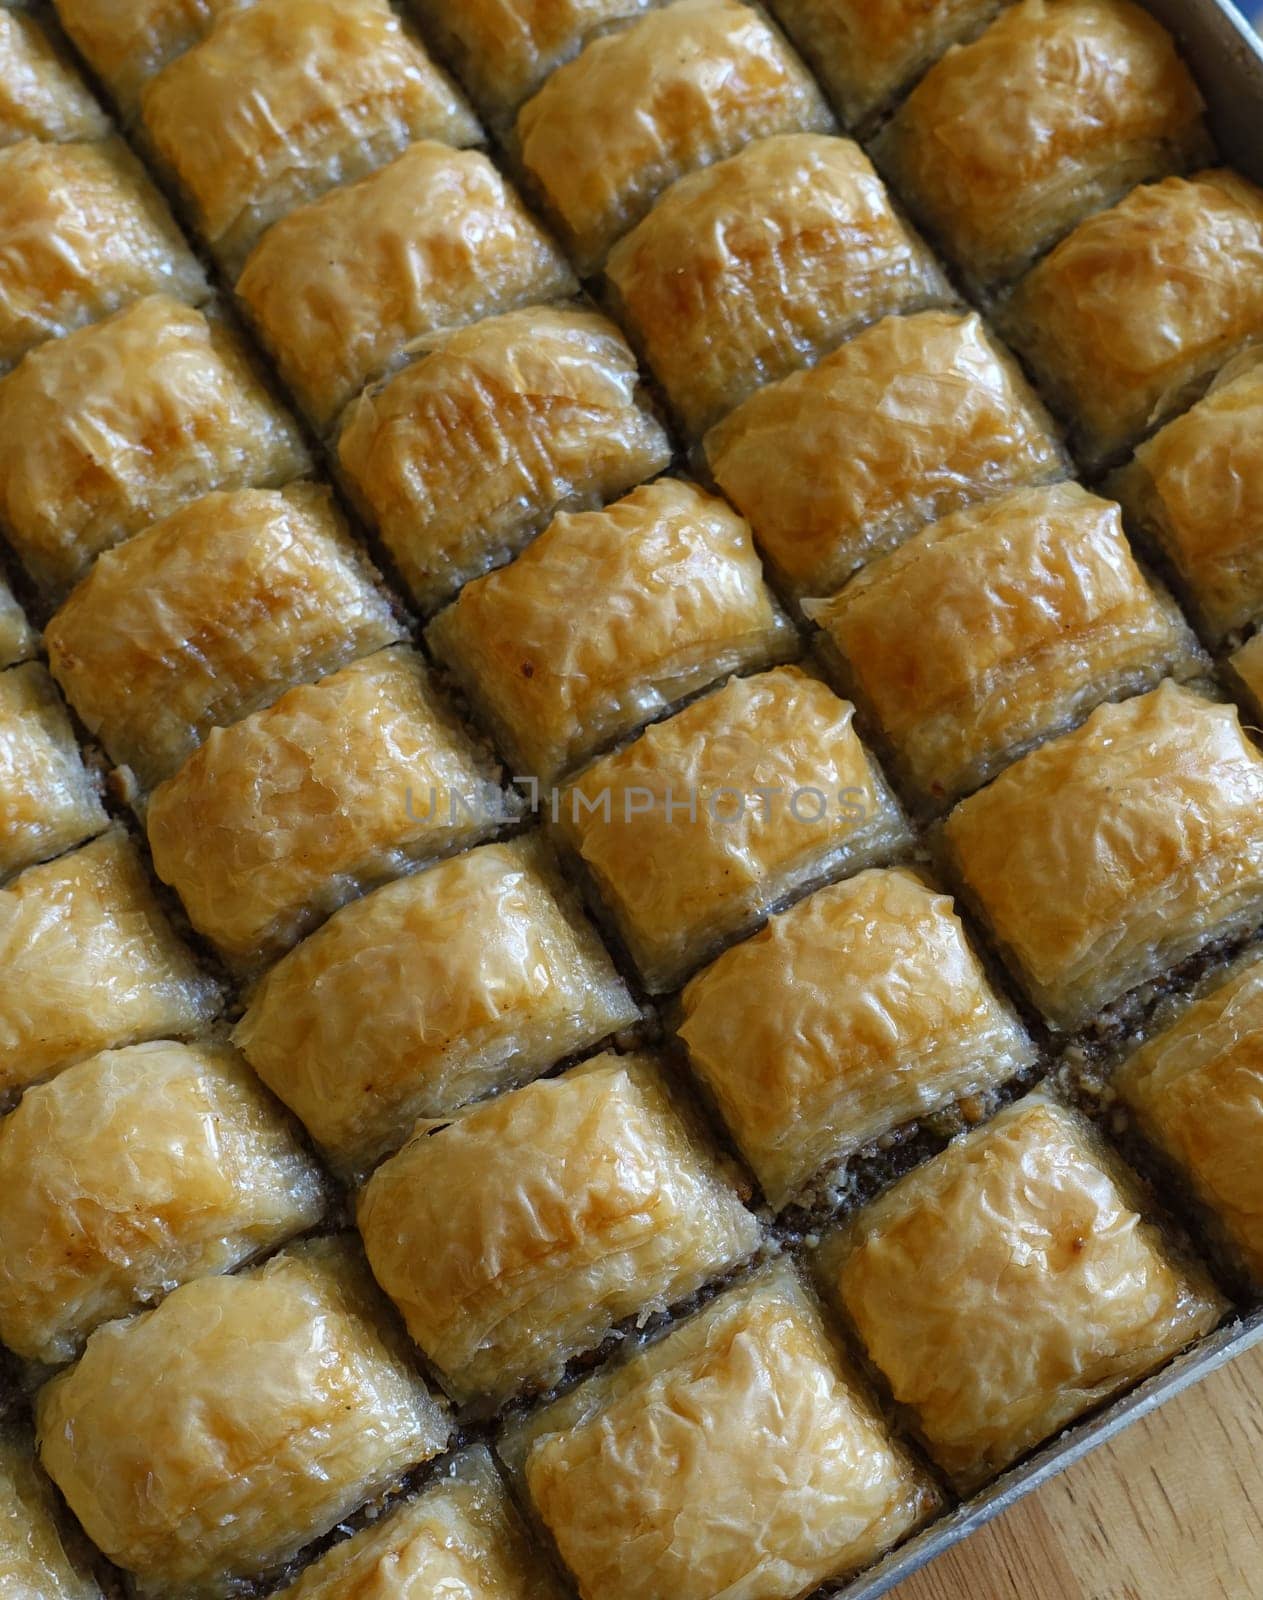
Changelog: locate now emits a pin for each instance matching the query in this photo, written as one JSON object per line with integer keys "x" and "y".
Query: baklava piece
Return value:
{"x": 609, "y": 618}
{"x": 1010, "y": 1284}
{"x": 466, "y": 454}
{"x": 505, "y": 49}
{"x": 85, "y": 233}
{"x": 461, "y": 1537}
{"x": 475, "y": 975}
{"x": 1246, "y": 667}
{"x": 89, "y": 961}
{"x": 914, "y": 418}
{"x": 38, "y": 1560}
{"x": 218, "y": 1434}
{"x": 699, "y": 827}
{"x": 113, "y": 427}
{"x": 208, "y": 616}
{"x": 41, "y": 95}
{"x": 48, "y": 803}
{"x": 1106, "y": 857}
{"x": 995, "y": 628}
{"x": 18, "y": 639}
{"x": 339, "y": 289}
{"x": 741, "y": 1454}
{"x": 583, "y": 1200}
{"x": 1058, "y": 110}
{"x": 1196, "y": 490}
{"x": 126, "y": 42}
{"x": 133, "y": 1172}
{"x": 1127, "y": 318}
{"x": 761, "y": 264}
{"x": 1196, "y": 1091}
{"x": 857, "y": 1011}
{"x": 866, "y": 51}
{"x": 281, "y": 818}
{"x": 285, "y": 99}
{"x": 682, "y": 87}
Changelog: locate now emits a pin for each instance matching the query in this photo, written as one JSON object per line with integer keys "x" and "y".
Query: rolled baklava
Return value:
{"x": 914, "y": 418}
{"x": 339, "y": 289}
{"x": 465, "y": 455}
{"x": 48, "y": 802}
{"x": 683, "y": 86}
{"x": 1009, "y": 1285}
{"x": 855, "y": 1012}
{"x": 583, "y": 1200}
{"x": 738, "y": 1455}
{"x": 699, "y": 827}
{"x": 113, "y": 427}
{"x": 606, "y": 620}
{"x": 40, "y": 1559}
{"x": 285, "y": 99}
{"x": 474, "y": 975}
{"x": 18, "y": 639}
{"x": 211, "y": 614}
{"x": 218, "y": 1434}
{"x": 998, "y": 626}
{"x": 131, "y": 1173}
{"x": 41, "y": 95}
{"x": 126, "y": 42}
{"x": 279, "y": 819}
{"x": 1116, "y": 851}
{"x": 761, "y": 264}
{"x": 1247, "y": 667}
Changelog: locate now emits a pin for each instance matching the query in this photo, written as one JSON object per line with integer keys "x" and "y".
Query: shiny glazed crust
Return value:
{"x": 41, "y": 95}
{"x": 48, "y": 803}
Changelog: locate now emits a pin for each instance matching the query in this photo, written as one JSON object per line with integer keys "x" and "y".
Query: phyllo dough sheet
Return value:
{"x": 40, "y": 1557}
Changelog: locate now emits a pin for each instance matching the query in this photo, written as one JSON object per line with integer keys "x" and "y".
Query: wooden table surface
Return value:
{"x": 1172, "y": 1509}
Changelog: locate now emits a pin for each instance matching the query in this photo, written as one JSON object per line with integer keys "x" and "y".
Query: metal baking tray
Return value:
{"x": 1226, "y": 57}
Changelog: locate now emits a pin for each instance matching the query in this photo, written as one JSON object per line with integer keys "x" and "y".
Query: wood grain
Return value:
{"x": 1170, "y": 1510}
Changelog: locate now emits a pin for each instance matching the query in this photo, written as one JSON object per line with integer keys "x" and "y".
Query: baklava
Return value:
{"x": 464, "y": 456}
{"x": 1011, "y": 1284}
{"x": 48, "y": 801}
{"x": 584, "y": 1200}
{"x": 126, "y": 42}
{"x": 741, "y": 1454}
{"x": 695, "y": 830}
{"x": 761, "y": 264}
{"x": 18, "y": 639}
{"x": 133, "y": 1172}
{"x": 996, "y": 627}
{"x": 862, "y": 1008}
{"x": 914, "y": 418}
{"x": 608, "y": 619}
{"x": 1103, "y": 859}
{"x": 40, "y": 1558}
{"x": 472, "y": 976}
{"x": 244, "y": 1417}
{"x": 1247, "y": 667}
{"x": 41, "y": 95}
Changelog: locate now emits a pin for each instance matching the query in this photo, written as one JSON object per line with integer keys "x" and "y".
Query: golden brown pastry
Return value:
{"x": 38, "y": 1560}
{"x": 208, "y": 616}
{"x": 859, "y": 1010}
{"x": 681, "y": 87}
{"x": 1009, "y": 1285}
{"x": 244, "y": 1417}
{"x": 85, "y": 233}
{"x": 515, "y": 1236}
{"x": 866, "y": 51}
{"x": 275, "y": 822}
{"x": 1058, "y": 110}
{"x": 740, "y": 1455}
{"x": 18, "y": 639}
{"x": 127, "y": 41}
{"x": 998, "y": 626}
{"x": 1196, "y": 1090}
{"x": 285, "y": 99}
{"x": 608, "y": 618}
{"x": 462, "y": 457}
{"x": 48, "y": 803}
{"x": 1196, "y": 488}
{"x": 698, "y": 828}
{"x": 1126, "y": 319}
{"x": 1104, "y": 858}
{"x": 89, "y": 961}
{"x": 41, "y": 94}
{"x": 340, "y": 288}
{"x": 1247, "y": 666}
{"x": 474, "y": 975}
{"x": 761, "y": 264}
{"x": 914, "y": 418}
{"x": 461, "y": 1537}
{"x": 113, "y": 427}
{"x": 133, "y": 1172}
